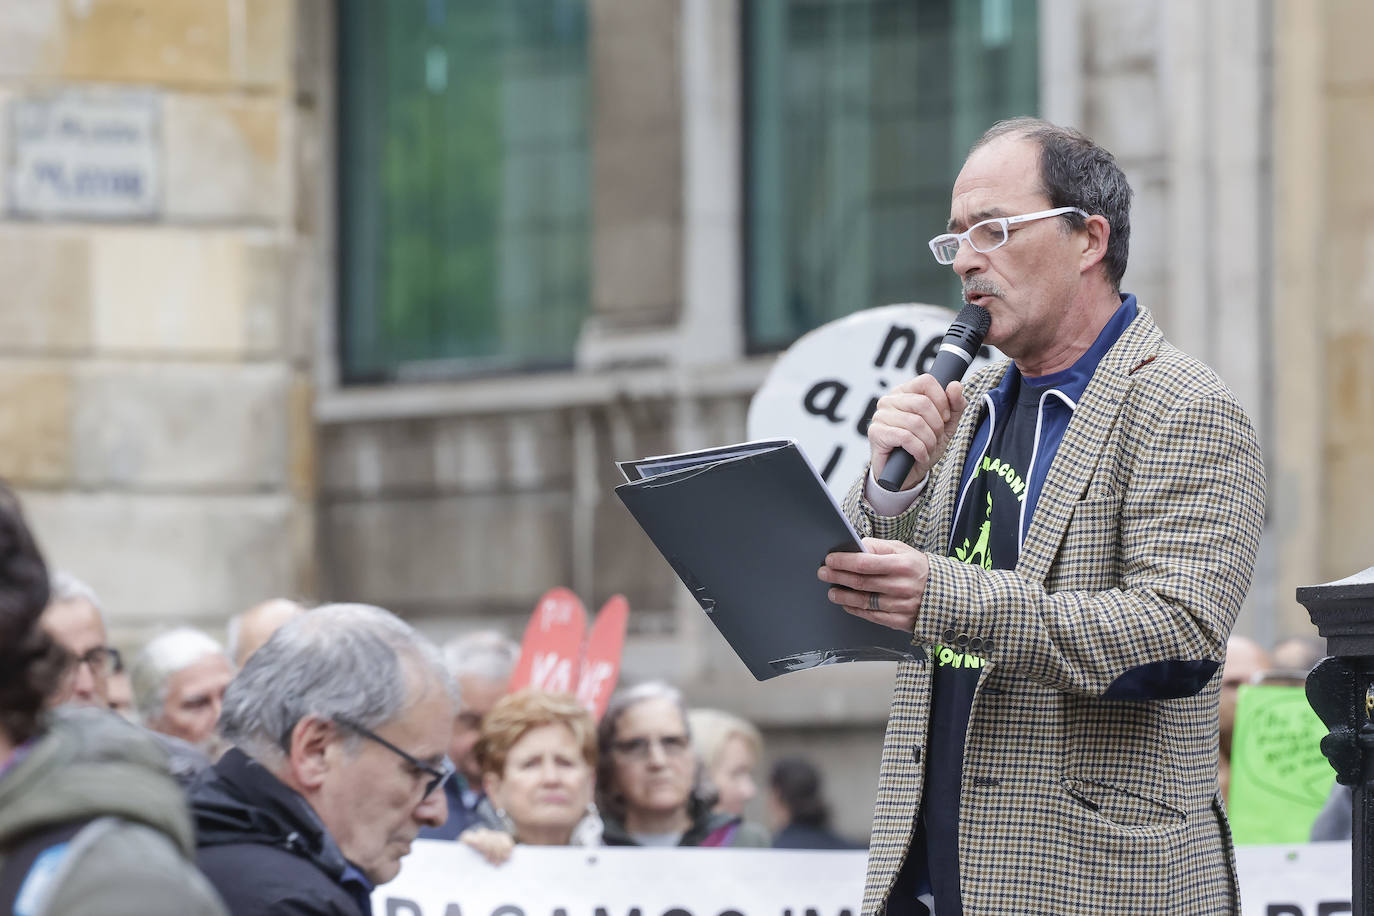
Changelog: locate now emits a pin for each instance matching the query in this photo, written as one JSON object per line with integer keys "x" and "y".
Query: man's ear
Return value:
{"x": 1096, "y": 232}
{"x": 308, "y": 758}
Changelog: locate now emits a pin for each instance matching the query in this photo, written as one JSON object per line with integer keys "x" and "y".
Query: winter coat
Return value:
{"x": 264, "y": 848}
{"x": 128, "y": 845}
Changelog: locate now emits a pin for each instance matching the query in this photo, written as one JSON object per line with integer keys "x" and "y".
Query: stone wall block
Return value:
{"x": 269, "y": 305}
{"x": 638, "y": 178}
{"x": 307, "y": 308}
{"x": 148, "y": 41}
{"x": 302, "y": 438}
{"x": 1123, "y": 108}
{"x": 1122, "y": 35}
{"x": 473, "y": 454}
{"x": 1349, "y": 23}
{"x": 313, "y": 56}
{"x": 35, "y": 424}
{"x": 1350, "y": 149}
{"x": 179, "y": 292}
{"x": 634, "y": 58}
{"x": 29, "y": 35}
{"x": 416, "y": 555}
{"x": 266, "y": 56}
{"x": 45, "y": 274}
{"x": 226, "y": 159}
{"x": 157, "y": 559}
{"x": 212, "y": 427}
{"x": 636, "y": 271}
{"x": 313, "y": 178}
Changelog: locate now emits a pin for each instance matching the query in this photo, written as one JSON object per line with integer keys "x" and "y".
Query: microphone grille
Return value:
{"x": 975, "y": 317}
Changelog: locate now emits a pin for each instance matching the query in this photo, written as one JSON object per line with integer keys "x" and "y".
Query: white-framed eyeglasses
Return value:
{"x": 990, "y": 234}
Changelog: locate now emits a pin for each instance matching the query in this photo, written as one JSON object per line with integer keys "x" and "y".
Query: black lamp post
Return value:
{"x": 1341, "y": 690}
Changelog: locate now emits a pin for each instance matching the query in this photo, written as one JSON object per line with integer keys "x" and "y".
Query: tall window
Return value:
{"x": 464, "y": 176}
{"x": 859, "y": 114}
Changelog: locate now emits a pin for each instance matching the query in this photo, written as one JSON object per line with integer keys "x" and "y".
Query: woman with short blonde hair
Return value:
{"x": 730, "y": 748}
{"x": 538, "y": 754}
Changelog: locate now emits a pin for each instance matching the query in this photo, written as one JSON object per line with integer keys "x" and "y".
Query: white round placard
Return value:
{"x": 823, "y": 390}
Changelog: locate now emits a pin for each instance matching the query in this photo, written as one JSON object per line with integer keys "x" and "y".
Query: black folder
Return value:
{"x": 746, "y": 527}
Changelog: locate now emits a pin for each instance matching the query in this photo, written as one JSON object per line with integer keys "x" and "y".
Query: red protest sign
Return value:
{"x": 551, "y": 652}
{"x": 554, "y": 656}
{"x": 601, "y": 662}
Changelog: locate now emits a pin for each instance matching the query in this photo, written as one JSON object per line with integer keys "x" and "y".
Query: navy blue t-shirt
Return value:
{"x": 987, "y": 533}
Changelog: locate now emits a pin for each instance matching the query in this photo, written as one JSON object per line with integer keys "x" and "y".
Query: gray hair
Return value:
{"x": 163, "y": 656}
{"x": 486, "y": 654}
{"x": 1076, "y": 172}
{"x": 609, "y": 798}
{"x": 339, "y": 661}
{"x": 63, "y": 586}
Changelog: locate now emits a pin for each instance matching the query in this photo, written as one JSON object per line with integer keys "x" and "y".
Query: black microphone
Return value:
{"x": 960, "y": 345}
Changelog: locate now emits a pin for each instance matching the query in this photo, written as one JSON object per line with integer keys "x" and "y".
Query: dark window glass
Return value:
{"x": 858, "y": 116}
{"x": 464, "y": 176}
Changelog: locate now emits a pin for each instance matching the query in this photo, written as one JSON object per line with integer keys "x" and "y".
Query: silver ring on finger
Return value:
{"x": 873, "y": 601}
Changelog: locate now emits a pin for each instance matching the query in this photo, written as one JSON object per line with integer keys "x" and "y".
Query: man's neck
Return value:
{"x": 1075, "y": 339}
{"x": 657, "y": 822}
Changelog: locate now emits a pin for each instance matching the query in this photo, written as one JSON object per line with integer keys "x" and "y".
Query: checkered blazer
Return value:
{"x": 1141, "y": 550}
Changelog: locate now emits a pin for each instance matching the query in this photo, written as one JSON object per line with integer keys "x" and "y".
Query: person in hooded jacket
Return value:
{"x": 651, "y": 786}
{"x": 90, "y": 819}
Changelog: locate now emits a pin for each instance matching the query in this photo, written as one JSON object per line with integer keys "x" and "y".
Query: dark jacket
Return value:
{"x": 265, "y": 850}
{"x": 129, "y": 843}
{"x": 806, "y": 836}
{"x": 709, "y": 828}
{"x": 462, "y": 814}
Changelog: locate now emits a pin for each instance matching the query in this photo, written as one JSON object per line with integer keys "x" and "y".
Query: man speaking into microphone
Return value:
{"x": 1070, "y": 548}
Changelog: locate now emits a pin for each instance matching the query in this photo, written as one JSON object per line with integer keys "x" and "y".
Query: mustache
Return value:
{"x": 981, "y": 286}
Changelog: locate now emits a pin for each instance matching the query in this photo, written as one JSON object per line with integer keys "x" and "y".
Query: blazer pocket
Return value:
{"x": 1120, "y": 806}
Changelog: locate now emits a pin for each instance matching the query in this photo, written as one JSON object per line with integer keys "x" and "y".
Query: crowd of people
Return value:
{"x": 292, "y": 771}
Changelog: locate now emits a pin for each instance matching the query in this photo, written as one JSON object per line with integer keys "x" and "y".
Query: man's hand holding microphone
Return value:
{"x": 909, "y": 432}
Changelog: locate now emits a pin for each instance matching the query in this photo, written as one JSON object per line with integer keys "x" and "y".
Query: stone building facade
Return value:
{"x": 171, "y": 404}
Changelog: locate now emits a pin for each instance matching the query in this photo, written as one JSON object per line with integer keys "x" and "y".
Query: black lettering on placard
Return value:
{"x": 731, "y": 913}
{"x": 602, "y": 911}
{"x": 509, "y": 909}
{"x": 829, "y": 409}
{"x": 896, "y": 335}
{"x": 862, "y": 425}
{"x": 560, "y": 912}
{"x": 677, "y": 911}
{"x": 1334, "y": 908}
{"x": 1283, "y": 909}
{"x": 832, "y": 463}
{"x": 453, "y": 910}
{"x": 928, "y": 354}
{"x": 399, "y": 906}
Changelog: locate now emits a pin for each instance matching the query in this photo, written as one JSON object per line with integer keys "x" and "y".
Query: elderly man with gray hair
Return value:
{"x": 339, "y": 725}
{"x": 481, "y": 664}
{"x": 179, "y": 680}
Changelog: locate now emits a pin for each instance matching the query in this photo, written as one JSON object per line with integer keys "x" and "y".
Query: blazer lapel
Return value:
{"x": 1079, "y": 452}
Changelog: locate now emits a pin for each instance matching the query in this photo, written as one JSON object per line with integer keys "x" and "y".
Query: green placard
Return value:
{"x": 1279, "y": 778}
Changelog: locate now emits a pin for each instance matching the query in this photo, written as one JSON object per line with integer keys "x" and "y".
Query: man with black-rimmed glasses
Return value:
{"x": 339, "y": 726}
{"x": 75, "y": 621}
